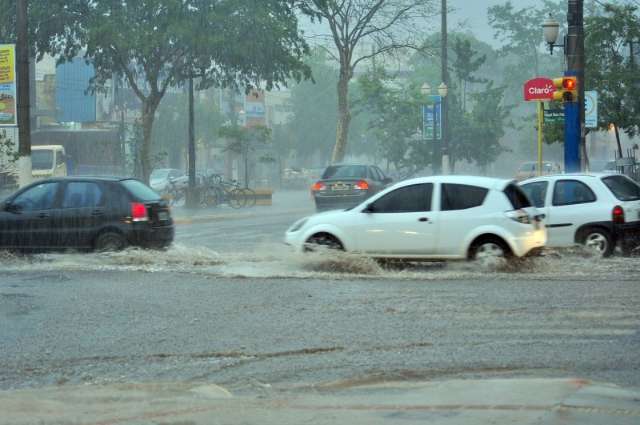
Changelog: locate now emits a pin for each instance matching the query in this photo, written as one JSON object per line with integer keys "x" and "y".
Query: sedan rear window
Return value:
{"x": 517, "y": 197}
{"x": 140, "y": 190}
{"x": 623, "y": 188}
{"x": 345, "y": 171}
{"x": 461, "y": 196}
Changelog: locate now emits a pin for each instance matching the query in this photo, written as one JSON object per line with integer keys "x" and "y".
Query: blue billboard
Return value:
{"x": 73, "y": 102}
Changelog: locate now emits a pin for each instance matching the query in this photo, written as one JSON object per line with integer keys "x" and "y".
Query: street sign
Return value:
{"x": 431, "y": 119}
{"x": 591, "y": 109}
{"x": 553, "y": 115}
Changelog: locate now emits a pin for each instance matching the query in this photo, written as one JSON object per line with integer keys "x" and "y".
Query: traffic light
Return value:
{"x": 566, "y": 89}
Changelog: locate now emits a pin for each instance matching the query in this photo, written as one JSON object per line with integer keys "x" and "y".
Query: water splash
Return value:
{"x": 278, "y": 261}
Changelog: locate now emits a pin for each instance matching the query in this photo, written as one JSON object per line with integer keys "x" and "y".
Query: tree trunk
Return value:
{"x": 149, "y": 107}
{"x": 617, "y": 131}
{"x": 344, "y": 117}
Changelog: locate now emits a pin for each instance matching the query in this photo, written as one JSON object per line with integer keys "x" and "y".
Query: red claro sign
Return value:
{"x": 539, "y": 89}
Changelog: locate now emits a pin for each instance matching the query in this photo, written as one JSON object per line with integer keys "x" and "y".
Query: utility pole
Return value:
{"x": 191, "y": 193}
{"x": 24, "y": 115}
{"x": 575, "y": 131}
{"x": 445, "y": 80}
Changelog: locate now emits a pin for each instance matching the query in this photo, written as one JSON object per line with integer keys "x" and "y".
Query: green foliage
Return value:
{"x": 313, "y": 103}
{"x": 475, "y": 130}
{"x": 395, "y": 120}
{"x": 170, "y": 130}
{"x": 612, "y": 71}
{"x": 466, "y": 64}
{"x": 520, "y": 32}
{"x": 157, "y": 44}
{"x": 241, "y": 139}
{"x": 475, "y": 135}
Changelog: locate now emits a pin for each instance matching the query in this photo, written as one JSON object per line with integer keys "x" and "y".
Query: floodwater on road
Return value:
{"x": 278, "y": 261}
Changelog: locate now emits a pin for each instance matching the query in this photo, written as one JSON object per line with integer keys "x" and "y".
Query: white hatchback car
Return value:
{"x": 599, "y": 210}
{"x": 430, "y": 218}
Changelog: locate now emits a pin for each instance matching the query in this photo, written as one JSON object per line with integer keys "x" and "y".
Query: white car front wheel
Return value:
{"x": 323, "y": 241}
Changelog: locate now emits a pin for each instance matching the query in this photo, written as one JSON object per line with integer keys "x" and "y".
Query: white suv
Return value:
{"x": 599, "y": 210}
{"x": 442, "y": 217}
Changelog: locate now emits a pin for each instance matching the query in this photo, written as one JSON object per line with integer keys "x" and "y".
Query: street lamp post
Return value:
{"x": 551, "y": 30}
{"x": 442, "y": 91}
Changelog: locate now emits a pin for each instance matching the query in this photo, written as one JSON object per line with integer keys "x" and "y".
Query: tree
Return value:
{"x": 520, "y": 32}
{"x": 170, "y": 128}
{"x": 362, "y": 30}
{"x": 314, "y": 116}
{"x": 244, "y": 140}
{"x": 477, "y": 135}
{"x": 614, "y": 34}
{"x": 395, "y": 120}
{"x": 466, "y": 64}
{"x": 157, "y": 44}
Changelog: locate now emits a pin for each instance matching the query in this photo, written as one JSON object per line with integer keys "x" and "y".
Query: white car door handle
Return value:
{"x": 423, "y": 219}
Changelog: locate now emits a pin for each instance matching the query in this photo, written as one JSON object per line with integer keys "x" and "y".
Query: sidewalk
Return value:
{"x": 465, "y": 402}
{"x": 283, "y": 202}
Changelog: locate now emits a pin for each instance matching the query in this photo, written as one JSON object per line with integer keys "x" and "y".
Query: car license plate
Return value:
{"x": 163, "y": 216}
{"x": 339, "y": 186}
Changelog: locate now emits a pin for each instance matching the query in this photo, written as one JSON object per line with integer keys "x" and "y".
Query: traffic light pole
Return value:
{"x": 574, "y": 134}
{"x": 540, "y": 134}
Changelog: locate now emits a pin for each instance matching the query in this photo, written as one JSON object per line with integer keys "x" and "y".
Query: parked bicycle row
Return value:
{"x": 211, "y": 191}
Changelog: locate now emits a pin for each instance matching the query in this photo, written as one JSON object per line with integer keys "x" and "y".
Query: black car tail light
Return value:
{"x": 318, "y": 186}
{"x": 139, "y": 212}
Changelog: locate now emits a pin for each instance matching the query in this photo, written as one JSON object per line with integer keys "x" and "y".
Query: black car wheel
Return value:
{"x": 110, "y": 241}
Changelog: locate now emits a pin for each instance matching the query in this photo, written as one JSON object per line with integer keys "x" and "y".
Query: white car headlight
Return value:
{"x": 298, "y": 225}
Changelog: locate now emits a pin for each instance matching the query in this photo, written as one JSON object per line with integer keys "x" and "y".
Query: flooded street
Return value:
{"x": 229, "y": 303}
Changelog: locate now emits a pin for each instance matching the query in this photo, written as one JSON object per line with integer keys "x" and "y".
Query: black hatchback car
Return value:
{"x": 347, "y": 185}
{"x": 85, "y": 213}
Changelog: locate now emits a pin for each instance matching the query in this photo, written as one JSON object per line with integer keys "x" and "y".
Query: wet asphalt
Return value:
{"x": 229, "y": 306}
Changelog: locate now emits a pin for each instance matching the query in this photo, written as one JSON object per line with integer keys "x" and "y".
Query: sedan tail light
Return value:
{"x": 520, "y": 216}
{"x": 318, "y": 186}
{"x": 361, "y": 185}
{"x": 139, "y": 212}
{"x": 617, "y": 215}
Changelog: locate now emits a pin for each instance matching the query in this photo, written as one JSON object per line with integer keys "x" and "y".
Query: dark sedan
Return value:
{"x": 85, "y": 213}
{"x": 345, "y": 186}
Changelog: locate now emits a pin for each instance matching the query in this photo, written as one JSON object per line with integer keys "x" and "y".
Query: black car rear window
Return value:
{"x": 345, "y": 171}
{"x": 623, "y": 188}
{"x": 517, "y": 197}
{"x": 140, "y": 190}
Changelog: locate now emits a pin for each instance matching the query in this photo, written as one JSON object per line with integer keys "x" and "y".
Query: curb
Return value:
{"x": 221, "y": 217}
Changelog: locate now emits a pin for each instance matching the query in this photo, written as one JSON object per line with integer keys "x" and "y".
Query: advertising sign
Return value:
{"x": 431, "y": 119}
{"x": 539, "y": 89}
{"x": 8, "y": 110}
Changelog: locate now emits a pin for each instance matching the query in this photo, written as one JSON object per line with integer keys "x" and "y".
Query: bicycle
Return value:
{"x": 177, "y": 195}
